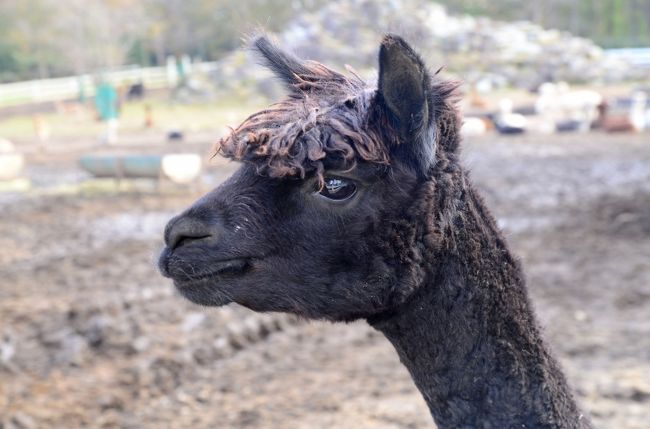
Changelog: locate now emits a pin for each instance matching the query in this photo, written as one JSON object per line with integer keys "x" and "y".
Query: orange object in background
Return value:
{"x": 148, "y": 116}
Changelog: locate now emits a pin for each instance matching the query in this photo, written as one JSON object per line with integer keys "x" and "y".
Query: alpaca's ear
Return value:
{"x": 298, "y": 75}
{"x": 284, "y": 65}
{"x": 403, "y": 89}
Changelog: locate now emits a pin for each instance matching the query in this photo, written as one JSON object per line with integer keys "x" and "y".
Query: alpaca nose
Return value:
{"x": 183, "y": 230}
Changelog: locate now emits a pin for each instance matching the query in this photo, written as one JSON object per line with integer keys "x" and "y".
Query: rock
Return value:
{"x": 221, "y": 346}
{"x": 237, "y": 335}
{"x": 21, "y": 421}
{"x": 67, "y": 347}
{"x": 94, "y": 330}
{"x": 193, "y": 321}
{"x": 253, "y": 328}
{"x": 487, "y": 53}
{"x": 166, "y": 374}
{"x": 7, "y": 350}
{"x": 12, "y": 163}
{"x": 141, "y": 344}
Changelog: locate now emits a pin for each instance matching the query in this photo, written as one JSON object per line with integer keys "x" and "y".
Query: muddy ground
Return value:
{"x": 92, "y": 336}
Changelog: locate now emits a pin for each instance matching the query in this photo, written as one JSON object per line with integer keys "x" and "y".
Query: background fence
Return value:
{"x": 78, "y": 87}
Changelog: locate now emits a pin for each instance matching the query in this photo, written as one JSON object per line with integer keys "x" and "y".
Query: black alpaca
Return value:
{"x": 351, "y": 203}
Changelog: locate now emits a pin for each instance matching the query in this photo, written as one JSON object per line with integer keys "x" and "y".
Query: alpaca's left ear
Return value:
{"x": 284, "y": 65}
{"x": 403, "y": 91}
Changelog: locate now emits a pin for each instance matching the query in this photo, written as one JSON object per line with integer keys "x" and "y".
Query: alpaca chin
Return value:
{"x": 203, "y": 293}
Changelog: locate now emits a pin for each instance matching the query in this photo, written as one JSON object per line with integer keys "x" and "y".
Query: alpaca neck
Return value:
{"x": 470, "y": 341}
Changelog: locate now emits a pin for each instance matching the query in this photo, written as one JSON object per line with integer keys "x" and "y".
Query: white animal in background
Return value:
{"x": 639, "y": 111}
{"x": 507, "y": 122}
{"x": 559, "y": 104}
{"x": 473, "y": 126}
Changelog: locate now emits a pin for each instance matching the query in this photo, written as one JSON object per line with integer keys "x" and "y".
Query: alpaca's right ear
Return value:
{"x": 403, "y": 91}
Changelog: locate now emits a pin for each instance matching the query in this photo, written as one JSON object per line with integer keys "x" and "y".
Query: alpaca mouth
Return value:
{"x": 218, "y": 270}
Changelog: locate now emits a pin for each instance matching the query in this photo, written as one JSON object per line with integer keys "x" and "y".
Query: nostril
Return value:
{"x": 183, "y": 231}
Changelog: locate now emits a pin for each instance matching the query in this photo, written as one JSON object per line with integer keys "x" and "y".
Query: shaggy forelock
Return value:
{"x": 323, "y": 123}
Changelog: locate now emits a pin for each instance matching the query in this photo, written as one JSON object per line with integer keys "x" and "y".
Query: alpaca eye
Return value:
{"x": 337, "y": 189}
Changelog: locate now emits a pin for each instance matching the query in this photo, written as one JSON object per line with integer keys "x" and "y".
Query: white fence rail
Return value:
{"x": 639, "y": 57}
{"x": 66, "y": 88}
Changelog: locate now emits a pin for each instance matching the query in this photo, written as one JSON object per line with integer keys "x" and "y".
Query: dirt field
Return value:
{"x": 92, "y": 336}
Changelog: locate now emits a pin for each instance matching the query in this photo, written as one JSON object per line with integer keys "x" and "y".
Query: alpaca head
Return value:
{"x": 324, "y": 217}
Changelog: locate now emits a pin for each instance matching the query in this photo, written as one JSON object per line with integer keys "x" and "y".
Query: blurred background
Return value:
{"x": 109, "y": 111}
